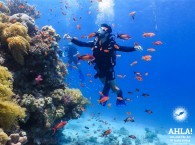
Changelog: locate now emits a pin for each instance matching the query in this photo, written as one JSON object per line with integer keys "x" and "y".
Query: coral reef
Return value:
{"x": 16, "y": 37}
{"x": 25, "y": 20}
{"x": 16, "y": 29}
{"x": 4, "y": 18}
{"x": 150, "y": 136}
{"x": 21, "y": 6}
{"x": 3, "y": 137}
{"x": 126, "y": 141}
{"x": 4, "y": 8}
{"x": 18, "y": 138}
{"x": 9, "y": 111}
{"x": 18, "y": 46}
{"x": 123, "y": 131}
{"x": 28, "y": 53}
{"x": 5, "y": 84}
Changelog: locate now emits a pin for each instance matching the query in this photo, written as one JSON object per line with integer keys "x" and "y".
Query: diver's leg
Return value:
{"x": 105, "y": 90}
{"x": 103, "y": 78}
{"x": 118, "y": 91}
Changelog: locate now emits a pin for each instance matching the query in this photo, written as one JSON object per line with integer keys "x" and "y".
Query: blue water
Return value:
{"x": 170, "y": 82}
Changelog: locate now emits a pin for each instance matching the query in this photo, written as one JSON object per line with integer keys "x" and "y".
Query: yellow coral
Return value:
{"x": 75, "y": 94}
{"x": 15, "y": 30}
{"x": 3, "y": 137}
{"x": 19, "y": 47}
{"x": 4, "y": 18}
{"x": 5, "y": 77}
{"x": 9, "y": 112}
{"x": 5, "y": 84}
{"x": 2, "y": 27}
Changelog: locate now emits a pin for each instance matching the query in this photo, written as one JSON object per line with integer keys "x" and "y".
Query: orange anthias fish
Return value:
{"x": 121, "y": 76}
{"x": 87, "y": 57}
{"x": 157, "y": 43}
{"x": 21, "y": 7}
{"x": 107, "y": 132}
{"x": 139, "y": 78}
{"x": 133, "y": 63}
{"x": 148, "y": 34}
{"x": 103, "y": 99}
{"x": 147, "y": 57}
{"x": 132, "y": 14}
{"x": 151, "y": 49}
{"x": 1, "y": 4}
{"x": 91, "y": 35}
{"x": 79, "y": 27}
{"x": 123, "y": 36}
{"x": 58, "y": 126}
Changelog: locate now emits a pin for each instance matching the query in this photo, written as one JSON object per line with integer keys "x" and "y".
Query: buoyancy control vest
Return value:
{"x": 104, "y": 53}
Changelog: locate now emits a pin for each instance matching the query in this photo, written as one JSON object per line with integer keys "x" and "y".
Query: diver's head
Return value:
{"x": 104, "y": 30}
{"x": 68, "y": 46}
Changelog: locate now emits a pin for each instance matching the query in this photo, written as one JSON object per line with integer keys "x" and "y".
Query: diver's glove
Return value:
{"x": 138, "y": 47}
{"x": 68, "y": 37}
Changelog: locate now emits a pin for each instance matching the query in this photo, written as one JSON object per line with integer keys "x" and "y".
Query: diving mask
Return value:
{"x": 102, "y": 30}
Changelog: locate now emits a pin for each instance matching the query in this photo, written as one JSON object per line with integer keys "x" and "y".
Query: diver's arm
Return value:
{"x": 136, "y": 47}
{"x": 77, "y": 42}
{"x": 126, "y": 49}
{"x": 82, "y": 44}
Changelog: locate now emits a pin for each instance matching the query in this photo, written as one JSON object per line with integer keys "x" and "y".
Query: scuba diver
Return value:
{"x": 72, "y": 54}
{"x": 104, "y": 50}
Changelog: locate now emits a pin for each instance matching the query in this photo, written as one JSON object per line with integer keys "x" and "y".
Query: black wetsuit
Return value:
{"x": 105, "y": 59}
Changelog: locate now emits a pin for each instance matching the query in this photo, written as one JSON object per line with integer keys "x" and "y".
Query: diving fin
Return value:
{"x": 120, "y": 101}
